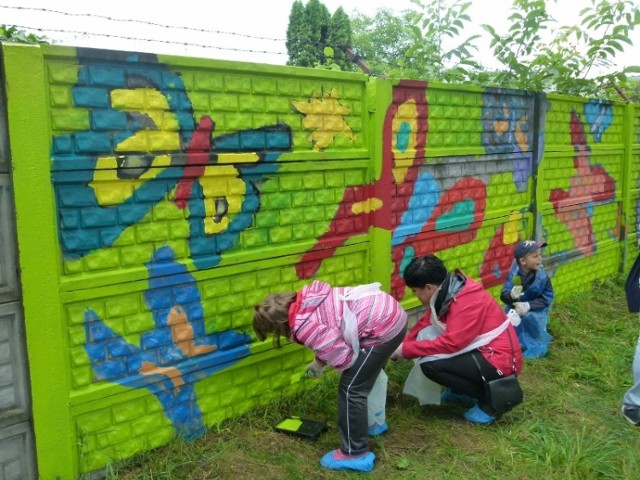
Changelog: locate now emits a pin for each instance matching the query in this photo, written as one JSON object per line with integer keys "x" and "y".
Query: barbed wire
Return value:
{"x": 141, "y": 22}
{"x": 80, "y": 33}
{"x": 77, "y": 34}
{"x": 150, "y": 40}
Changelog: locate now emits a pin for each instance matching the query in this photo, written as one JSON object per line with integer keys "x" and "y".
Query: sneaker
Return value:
{"x": 358, "y": 463}
{"x": 476, "y": 415}
{"x": 632, "y": 414}
{"x": 377, "y": 429}
{"x": 451, "y": 397}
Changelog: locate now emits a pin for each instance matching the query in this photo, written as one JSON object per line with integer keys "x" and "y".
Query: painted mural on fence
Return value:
{"x": 158, "y": 150}
{"x": 442, "y": 203}
{"x": 590, "y": 185}
{"x": 434, "y": 206}
{"x": 146, "y": 157}
{"x": 172, "y": 356}
{"x": 145, "y": 149}
{"x": 507, "y": 128}
{"x": 363, "y": 204}
{"x": 324, "y": 116}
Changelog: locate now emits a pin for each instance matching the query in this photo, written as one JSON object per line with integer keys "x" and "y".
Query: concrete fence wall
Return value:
{"x": 159, "y": 198}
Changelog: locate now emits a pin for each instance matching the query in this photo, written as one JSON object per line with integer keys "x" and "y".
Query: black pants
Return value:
{"x": 461, "y": 375}
{"x": 355, "y": 384}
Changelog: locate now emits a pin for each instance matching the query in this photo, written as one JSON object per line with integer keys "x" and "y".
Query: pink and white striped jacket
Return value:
{"x": 316, "y": 318}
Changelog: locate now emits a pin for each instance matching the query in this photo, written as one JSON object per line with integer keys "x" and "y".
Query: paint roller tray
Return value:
{"x": 301, "y": 427}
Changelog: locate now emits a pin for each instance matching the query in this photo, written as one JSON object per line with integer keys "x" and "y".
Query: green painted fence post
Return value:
{"x": 628, "y": 214}
{"x": 378, "y": 100}
{"x": 538, "y": 148}
{"x": 30, "y": 143}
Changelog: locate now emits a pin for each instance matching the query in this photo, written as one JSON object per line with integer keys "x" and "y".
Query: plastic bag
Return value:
{"x": 417, "y": 385}
{"x": 377, "y": 400}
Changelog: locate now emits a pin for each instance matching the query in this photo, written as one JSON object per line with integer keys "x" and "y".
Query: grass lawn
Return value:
{"x": 568, "y": 427}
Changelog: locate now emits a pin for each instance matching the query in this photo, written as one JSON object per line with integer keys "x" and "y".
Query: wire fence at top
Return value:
{"x": 173, "y": 35}
{"x": 140, "y": 22}
{"x": 150, "y": 40}
{"x": 185, "y": 33}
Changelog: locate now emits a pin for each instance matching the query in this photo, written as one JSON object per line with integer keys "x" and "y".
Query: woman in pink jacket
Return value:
{"x": 463, "y": 321}
{"x": 352, "y": 329}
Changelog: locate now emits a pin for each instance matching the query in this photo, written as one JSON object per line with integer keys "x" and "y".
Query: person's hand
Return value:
{"x": 516, "y": 292}
{"x": 397, "y": 355}
{"x": 315, "y": 368}
{"x": 522, "y": 308}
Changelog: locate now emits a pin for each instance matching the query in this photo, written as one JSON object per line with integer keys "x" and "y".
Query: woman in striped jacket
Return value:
{"x": 352, "y": 329}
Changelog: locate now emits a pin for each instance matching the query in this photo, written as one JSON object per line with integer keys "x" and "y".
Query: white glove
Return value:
{"x": 521, "y": 308}
{"x": 315, "y": 368}
{"x": 516, "y": 292}
{"x": 397, "y": 355}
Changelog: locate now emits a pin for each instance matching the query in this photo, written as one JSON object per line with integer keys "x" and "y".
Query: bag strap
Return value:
{"x": 513, "y": 351}
{"x": 478, "y": 365}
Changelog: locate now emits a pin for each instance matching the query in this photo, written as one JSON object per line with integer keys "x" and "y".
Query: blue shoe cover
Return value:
{"x": 533, "y": 353}
{"x": 377, "y": 429}
{"x": 451, "y": 397}
{"x": 362, "y": 463}
{"x": 476, "y": 415}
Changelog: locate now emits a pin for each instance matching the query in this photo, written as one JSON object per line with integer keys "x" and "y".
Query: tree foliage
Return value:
{"x": 631, "y": 89}
{"x": 297, "y": 36}
{"x": 440, "y": 50}
{"x": 383, "y": 41}
{"x": 340, "y": 36}
{"x": 577, "y": 60}
{"x": 14, "y": 34}
{"x": 318, "y": 21}
{"x": 311, "y": 29}
{"x": 431, "y": 41}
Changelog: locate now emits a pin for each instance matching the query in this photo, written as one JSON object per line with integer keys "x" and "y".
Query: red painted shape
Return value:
{"x": 430, "y": 240}
{"x": 590, "y": 184}
{"x": 497, "y": 260}
{"x": 197, "y": 159}
{"x": 382, "y": 189}
{"x": 344, "y": 225}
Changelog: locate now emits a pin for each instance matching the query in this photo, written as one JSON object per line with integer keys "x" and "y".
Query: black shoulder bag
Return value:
{"x": 503, "y": 393}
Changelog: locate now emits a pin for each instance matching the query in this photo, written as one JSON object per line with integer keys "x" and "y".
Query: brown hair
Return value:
{"x": 272, "y": 316}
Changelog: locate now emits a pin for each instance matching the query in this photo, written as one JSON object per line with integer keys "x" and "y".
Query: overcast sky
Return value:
{"x": 227, "y": 28}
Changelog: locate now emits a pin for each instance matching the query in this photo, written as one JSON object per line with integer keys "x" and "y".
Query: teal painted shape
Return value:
{"x": 458, "y": 219}
{"x": 402, "y": 137}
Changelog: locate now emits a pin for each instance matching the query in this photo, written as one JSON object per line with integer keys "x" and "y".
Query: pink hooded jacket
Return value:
{"x": 316, "y": 317}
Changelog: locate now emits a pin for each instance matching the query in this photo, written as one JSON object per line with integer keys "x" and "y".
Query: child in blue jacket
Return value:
{"x": 531, "y": 299}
